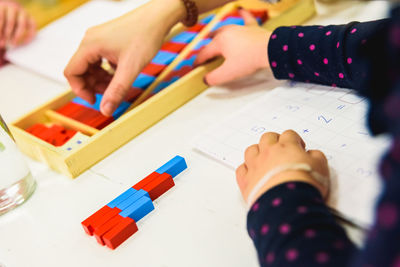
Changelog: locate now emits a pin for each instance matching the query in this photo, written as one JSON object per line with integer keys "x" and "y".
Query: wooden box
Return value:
{"x": 102, "y": 143}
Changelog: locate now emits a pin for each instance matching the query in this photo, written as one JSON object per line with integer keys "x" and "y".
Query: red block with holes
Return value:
{"x": 121, "y": 232}
{"x": 88, "y": 223}
{"x": 56, "y": 135}
{"x": 159, "y": 186}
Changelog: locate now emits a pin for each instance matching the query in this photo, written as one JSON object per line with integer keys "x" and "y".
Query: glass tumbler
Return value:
{"x": 16, "y": 181}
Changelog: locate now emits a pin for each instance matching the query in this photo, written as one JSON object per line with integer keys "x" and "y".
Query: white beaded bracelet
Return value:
{"x": 324, "y": 181}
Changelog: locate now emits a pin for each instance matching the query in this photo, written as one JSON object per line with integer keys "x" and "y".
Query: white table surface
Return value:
{"x": 200, "y": 222}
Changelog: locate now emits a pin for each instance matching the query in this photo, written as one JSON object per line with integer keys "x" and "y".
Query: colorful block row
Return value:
{"x": 116, "y": 221}
{"x": 86, "y": 115}
{"x": 56, "y": 135}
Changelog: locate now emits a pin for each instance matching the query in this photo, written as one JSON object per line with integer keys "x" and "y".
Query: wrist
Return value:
{"x": 292, "y": 176}
{"x": 173, "y": 11}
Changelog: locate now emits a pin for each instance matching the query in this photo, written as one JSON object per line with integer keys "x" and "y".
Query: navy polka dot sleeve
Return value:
{"x": 289, "y": 224}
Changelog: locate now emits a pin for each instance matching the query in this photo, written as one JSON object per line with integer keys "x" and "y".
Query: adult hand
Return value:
{"x": 245, "y": 50}
{"x": 128, "y": 43}
{"x": 16, "y": 25}
{"x": 275, "y": 150}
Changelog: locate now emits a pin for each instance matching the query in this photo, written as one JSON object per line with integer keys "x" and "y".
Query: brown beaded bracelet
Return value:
{"x": 192, "y": 13}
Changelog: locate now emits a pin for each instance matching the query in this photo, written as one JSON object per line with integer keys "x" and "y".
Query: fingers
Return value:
{"x": 11, "y": 19}
{"x": 31, "y": 31}
{"x": 249, "y": 19}
{"x": 2, "y": 24}
{"x": 21, "y": 28}
{"x": 227, "y": 72}
{"x": 208, "y": 52}
{"x": 122, "y": 81}
{"x": 251, "y": 153}
{"x": 75, "y": 70}
{"x": 268, "y": 139}
{"x": 291, "y": 137}
{"x": 317, "y": 154}
{"x": 241, "y": 172}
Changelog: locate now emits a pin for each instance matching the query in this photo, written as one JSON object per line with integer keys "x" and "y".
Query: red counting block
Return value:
{"x": 146, "y": 180}
{"x": 153, "y": 69}
{"x": 119, "y": 233}
{"x": 159, "y": 186}
{"x": 88, "y": 223}
{"x": 102, "y": 230}
{"x": 105, "y": 218}
{"x": 173, "y": 47}
{"x": 196, "y": 28}
{"x": 36, "y": 129}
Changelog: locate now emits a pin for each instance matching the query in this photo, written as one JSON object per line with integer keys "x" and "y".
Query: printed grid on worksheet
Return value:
{"x": 329, "y": 119}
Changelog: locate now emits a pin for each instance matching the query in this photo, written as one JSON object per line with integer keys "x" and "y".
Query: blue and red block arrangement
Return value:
{"x": 115, "y": 222}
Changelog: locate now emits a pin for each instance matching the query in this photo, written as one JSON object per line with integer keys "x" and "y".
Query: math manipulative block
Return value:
{"x": 164, "y": 58}
{"x": 122, "y": 197}
{"x": 173, "y": 167}
{"x": 119, "y": 233}
{"x": 139, "y": 185}
{"x": 138, "y": 209}
{"x": 102, "y": 230}
{"x": 88, "y": 223}
{"x": 132, "y": 199}
{"x": 159, "y": 186}
{"x": 184, "y": 37}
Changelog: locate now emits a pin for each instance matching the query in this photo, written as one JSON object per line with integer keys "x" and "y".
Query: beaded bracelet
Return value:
{"x": 192, "y": 13}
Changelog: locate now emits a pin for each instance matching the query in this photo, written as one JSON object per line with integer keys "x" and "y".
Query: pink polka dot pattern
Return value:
{"x": 291, "y": 186}
{"x": 334, "y": 85}
{"x": 285, "y": 47}
{"x": 326, "y": 61}
{"x": 270, "y": 257}
{"x": 322, "y": 257}
{"x": 312, "y": 47}
{"x": 301, "y": 35}
{"x": 328, "y": 33}
{"x": 353, "y": 31}
{"x": 256, "y": 206}
{"x": 337, "y": 44}
{"x": 284, "y": 228}
{"x": 291, "y": 75}
{"x": 310, "y": 233}
{"x": 274, "y": 64}
{"x": 264, "y": 229}
{"x": 299, "y": 62}
{"x": 349, "y": 60}
{"x": 316, "y": 74}
{"x": 292, "y": 254}
{"x": 276, "y": 202}
{"x": 273, "y": 37}
{"x": 341, "y": 75}
{"x": 302, "y": 209}
{"x": 387, "y": 215}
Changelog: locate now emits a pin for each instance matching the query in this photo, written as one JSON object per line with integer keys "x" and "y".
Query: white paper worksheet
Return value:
{"x": 330, "y": 119}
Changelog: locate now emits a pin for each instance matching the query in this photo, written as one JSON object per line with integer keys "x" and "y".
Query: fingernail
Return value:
{"x": 205, "y": 81}
{"x": 108, "y": 108}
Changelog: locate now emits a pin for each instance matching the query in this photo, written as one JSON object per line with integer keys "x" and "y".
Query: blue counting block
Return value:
{"x": 117, "y": 113}
{"x": 186, "y": 62}
{"x": 163, "y": 85}
{"x": 96, "y": 105}
{"x": 229, "y": 21}
{"x": 184, "y": 37}
{"x": 173, "y": 167}
{"x": 207, "y": 19}
{"x": 139, "y": 209}
{"x": 202, "y": 43}
{"x": 164, "y": 57}
{"x": 143, "y": 80}
{"x": 132, "y": 199}
{"x": 121, "y": 198}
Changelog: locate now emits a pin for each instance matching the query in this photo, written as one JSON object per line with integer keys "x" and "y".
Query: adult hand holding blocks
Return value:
{"x": 116, "y": 221}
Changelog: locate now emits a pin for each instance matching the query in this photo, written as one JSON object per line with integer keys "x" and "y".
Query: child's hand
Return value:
{"x": 245, "y": 50}
{"x": 275, "y": 150}
{"x": 16, "y": 25}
